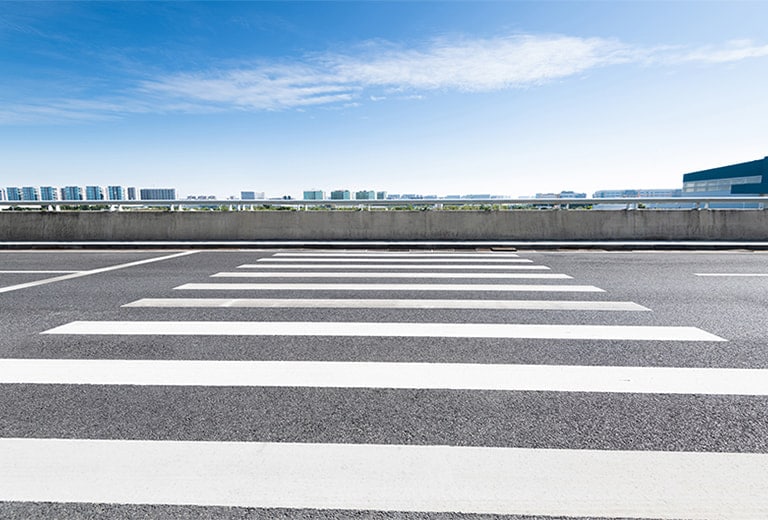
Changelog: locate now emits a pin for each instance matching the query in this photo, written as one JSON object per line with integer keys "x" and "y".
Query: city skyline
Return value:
{"x": 72, "y": 192}
{"x": 474, "y": 97}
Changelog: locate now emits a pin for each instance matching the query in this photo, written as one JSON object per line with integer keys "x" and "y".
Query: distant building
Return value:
{"x": 562, "y": 195}
{"x": 340, "y": 195}
{"x": 131, "y": 193}
{"x": 30, "y": 193}
{"x": 13, "y": 193}
{"x": 381, "y": 195}
{"x": 742, "y": 179}
{"x": 49, "y": 193}
{"x": 635, "y": 193}
{"x": 2, "y": 194}
{"x": 94, "y": 193}
{"x": 251, "y": 195}
{"x": 157, "y": 193}
{"x": 314, "y": 195}
{"x": 572, "y": 195}
{"x": 71, "y": 193}
{"x": 115, "y": 193}
{"x": 365, "y": 195}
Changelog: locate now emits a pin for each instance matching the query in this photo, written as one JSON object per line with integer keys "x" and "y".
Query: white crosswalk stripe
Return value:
{"x": 299, "y": 274}
{"x": 361, "y": 303}
{"x": 353, "y": 254}
{"x": 372, "y": 476}
{"x": 386, "y": 477}
{"x": 390, "y": 267}
{"x": 328, "y": 374}
{"x": 385, "y": 287}
{"x": 395, "y": 260}
{"x": 378, "y": 329}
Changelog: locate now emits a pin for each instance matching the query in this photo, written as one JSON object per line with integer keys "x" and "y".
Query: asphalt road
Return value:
{"x": 43, "y": 290}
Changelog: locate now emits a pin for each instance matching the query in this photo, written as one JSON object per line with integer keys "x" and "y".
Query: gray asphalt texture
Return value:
{"x": 732, "y": 308}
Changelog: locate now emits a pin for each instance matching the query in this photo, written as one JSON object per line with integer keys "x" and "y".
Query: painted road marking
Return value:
{"x": 80, "y": 274}
{"x": 379, "y": 329}
{"x": 38, "y": 272}
{"x": 425, "y": 376}
{"x": 407, "y": 255}
{"x": 395, "y": 260}
{"x": 542, "y": 276}
{"x": 384, "y": 287}
{"x": 551, "y": 482}
{"x": 392, "y": 266}
{"x": 389, "y": 304}
{"x": 733, "y": 274}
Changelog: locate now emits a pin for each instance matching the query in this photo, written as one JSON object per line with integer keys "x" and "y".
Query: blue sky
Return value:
{"x": 508, "y": 98}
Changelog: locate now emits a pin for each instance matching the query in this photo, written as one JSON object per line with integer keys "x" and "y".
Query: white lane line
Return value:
{"x": 384, "y": 287}
{"x": 378, "y": 329}
{"x": 406, "y": 255}
{"x": 394, "y": 266}
{"x": 80, "y": 274}
{"x": 358, "y": 303}
{"x": 273, "y": 274}
{"x": 733, "y": 274}
{"x": 395, "y": 260}
{"x": 548, "y": 482}
{"x": 425, "y": 376}
{"x": 38, "y": 272}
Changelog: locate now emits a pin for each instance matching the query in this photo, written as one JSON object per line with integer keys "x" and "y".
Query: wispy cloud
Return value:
{"x": 481, "y": 65}
{"x": 732, "y": 51}
{"x": 261, "y": 88}
{"x": 374, "y": 71}
{"x": 468, "y": 65}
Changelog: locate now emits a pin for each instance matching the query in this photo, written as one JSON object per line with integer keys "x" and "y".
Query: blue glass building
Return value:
{"x": 13, "y": 193}
{"x": 30, "y": 193}
{"x": 48, "y": 193}
{"x": 94, "y": 193}
{"x": 71, "y": 193}
{"x": 157, "y": 193}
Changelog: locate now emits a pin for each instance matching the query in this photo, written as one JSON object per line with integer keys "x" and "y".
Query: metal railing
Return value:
{"x": 640, "y": 203}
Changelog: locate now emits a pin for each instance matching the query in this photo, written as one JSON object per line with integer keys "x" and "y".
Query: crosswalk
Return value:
{"x": 470, "y": 300}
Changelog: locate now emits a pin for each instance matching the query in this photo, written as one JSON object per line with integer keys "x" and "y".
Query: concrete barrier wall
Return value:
{"x": 751, "y": 225}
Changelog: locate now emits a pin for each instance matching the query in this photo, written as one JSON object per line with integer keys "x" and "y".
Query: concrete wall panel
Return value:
{"x": 387, "y": 225}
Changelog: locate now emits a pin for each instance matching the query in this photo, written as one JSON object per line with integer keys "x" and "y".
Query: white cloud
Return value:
{"x": 468, "y": 65}
{"x": 481, "y": 65}
{"x": 376, "y": 71}
{"x": 736, "y": 50}
{"x": 262, "y": 88}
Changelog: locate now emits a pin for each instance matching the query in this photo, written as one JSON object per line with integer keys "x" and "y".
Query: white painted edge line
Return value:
{"x": 38, "y": 272}
{"x": 746, "y": 275}
{"x": 547, "y": 482}
{"x": 354, "y": 303}
{"x": 395, "y": 260}
{"x": 393, "y": 266}
{"x": 384, "y": 287}
{"x": 379, "y": 329}
{"x": 300, "y": 274}
{"x": 426, "y": 376}
{"x": 405, "y": 255}
{"x": 92, "y": 271}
